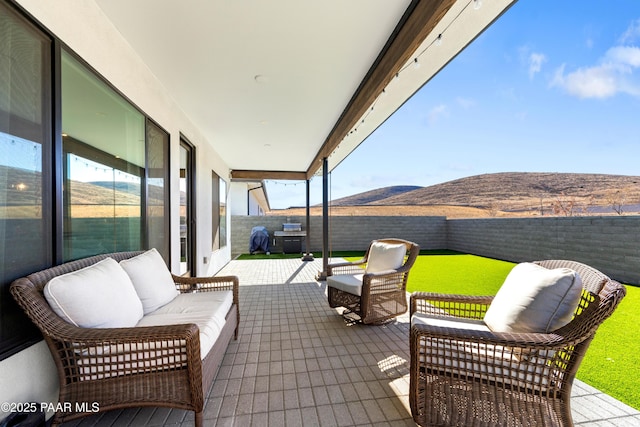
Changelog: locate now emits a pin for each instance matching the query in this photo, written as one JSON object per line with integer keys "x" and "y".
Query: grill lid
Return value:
{"x": 292, "y": 226}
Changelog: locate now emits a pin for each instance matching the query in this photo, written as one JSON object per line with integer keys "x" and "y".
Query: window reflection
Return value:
{"x": 104, "y": 161}
{"x": 102, "y": 205}
{"x": 25, "y": 173}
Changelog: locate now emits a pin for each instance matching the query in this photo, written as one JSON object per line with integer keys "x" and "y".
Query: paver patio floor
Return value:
{"x": 297, "y": 362}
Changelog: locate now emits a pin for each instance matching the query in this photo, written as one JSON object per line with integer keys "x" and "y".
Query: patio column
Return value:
{"x": 308, "y": 256}
{"x": 322, "y": 275}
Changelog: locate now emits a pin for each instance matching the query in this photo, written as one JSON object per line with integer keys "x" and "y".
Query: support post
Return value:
{"x": 325, "y": 220}
{"x": 308, "y": 256}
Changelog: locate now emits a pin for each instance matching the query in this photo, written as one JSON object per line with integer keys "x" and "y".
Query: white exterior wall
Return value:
{"x": 238, "y": 193}
{"x": 254, "y": 206}
{"x": 30, "y": 376}
{"x": 243, "y": 205}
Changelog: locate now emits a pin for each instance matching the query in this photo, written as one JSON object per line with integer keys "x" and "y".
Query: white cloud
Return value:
{"x": 531, "y": 60}
{"x": 465, "y": 103}
{"x": 535, "y": 63}
{"x": 624, "y": 55}
{"x": 437, "y": 113}
{"x": 615, "y": 73}
{"x": 632, "y": 34}
{"x": 591, "y": 82}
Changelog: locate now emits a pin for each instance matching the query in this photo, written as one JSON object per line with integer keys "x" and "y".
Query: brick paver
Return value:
{"x": 298, "y": 363}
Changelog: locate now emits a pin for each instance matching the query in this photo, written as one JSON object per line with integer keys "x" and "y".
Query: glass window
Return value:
{"x": 223, "y": 213}
{"x": 187, "y": 208}
{"x": 158, "y": 225}
{"x": 104, "y": 161}
{"x": 115, "y": 169}
{"x": 219, "y": 211}
{"x": 25, "y": 147}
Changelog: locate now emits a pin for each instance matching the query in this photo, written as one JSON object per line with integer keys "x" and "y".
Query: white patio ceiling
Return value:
{"x": 275, "y": 86}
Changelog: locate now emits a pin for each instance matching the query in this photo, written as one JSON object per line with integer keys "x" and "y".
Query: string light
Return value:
{"x": 97, "y": 167}
{"x": 437, "y": 41}
{"x": 286, "y": 184}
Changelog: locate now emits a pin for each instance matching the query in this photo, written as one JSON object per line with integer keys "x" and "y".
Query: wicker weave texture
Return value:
{"x": 460, "y": 377}
{"x": 383, "y": 294}
{"x": 127, "y": 367}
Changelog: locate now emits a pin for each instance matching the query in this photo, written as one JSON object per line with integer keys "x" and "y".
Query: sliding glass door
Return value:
{"x": 187, "y": 209}
{"x": 26, "y": 217}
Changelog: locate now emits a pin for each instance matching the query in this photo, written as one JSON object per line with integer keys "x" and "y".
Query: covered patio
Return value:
{"x": 297, "y": 362}
{"x": 300, "y": 101}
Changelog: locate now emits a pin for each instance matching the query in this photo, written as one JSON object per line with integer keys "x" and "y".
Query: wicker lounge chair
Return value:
{"x": 375, "y": 293}
{"x": 470, "y": 376}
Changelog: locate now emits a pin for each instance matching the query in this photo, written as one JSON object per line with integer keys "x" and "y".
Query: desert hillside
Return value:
{"x": 499, "y": 195}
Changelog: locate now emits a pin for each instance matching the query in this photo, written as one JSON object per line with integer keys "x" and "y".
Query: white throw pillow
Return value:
{"x": 385, "y": 256}
{"x": 151, "y": 279}
{"x": 534, "y": 299}
{"x": 98, "y": 296}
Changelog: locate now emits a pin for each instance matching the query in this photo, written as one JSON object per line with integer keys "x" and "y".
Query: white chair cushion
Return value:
{"x": 449, "y": 322}
{"x": 534, "y": 299}
{"x": 151, "y": 279}
{"x": 350, "y": 283}
{"x": 385, "y": 256}
{"x": 98, "y": 296}
{"x": 491, "y": 362}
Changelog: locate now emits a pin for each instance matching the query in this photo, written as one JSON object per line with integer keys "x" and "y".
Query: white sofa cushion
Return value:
{"x": 385, "y": 256}
{"x": 534, "y": 299}
{"x": 350, "y": 283}
{"x": 151, "y": 279}
{"x": 98, "y": 296}
{"x": 208, "y": 310}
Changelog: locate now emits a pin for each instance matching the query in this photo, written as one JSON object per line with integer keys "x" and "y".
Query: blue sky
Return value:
{"x": 552, "y": 86}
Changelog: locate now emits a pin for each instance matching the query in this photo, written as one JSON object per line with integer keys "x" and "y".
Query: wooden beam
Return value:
{"x": 255, "y": 175}
{"x": 422, "y": 16}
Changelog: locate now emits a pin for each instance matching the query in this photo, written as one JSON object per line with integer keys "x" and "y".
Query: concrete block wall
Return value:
{"x": 356, "y": 232}
{"x": 610, "y": 244}
{"x": 345, "y": 232}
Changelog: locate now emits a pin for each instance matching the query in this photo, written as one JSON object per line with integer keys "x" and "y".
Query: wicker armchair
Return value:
{"x": 464, "y": 377}
{"x": 375, "y": 297}
{"x": 127, "y": 367}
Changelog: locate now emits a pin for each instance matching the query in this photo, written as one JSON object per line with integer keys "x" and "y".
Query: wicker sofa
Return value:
{"x": 169, "y": 358}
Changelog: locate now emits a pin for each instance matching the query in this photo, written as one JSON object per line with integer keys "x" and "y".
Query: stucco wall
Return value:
{"x": 610, "y": 244}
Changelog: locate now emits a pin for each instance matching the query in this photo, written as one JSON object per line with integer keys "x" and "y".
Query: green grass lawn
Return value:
{"x": 612, "y": 362}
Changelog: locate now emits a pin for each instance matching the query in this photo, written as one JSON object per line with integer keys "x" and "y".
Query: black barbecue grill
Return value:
{"x": 290, "y": 237}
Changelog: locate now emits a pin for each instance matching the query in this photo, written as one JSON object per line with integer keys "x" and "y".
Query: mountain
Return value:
{"x": 498, "y": 194}
{"x": 513, "y": 191}
{"x": 24, "y": 188}
{"x": 373, "y": 196}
